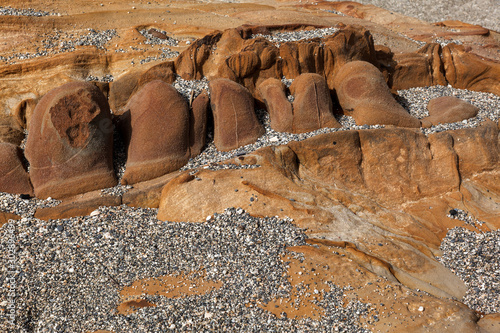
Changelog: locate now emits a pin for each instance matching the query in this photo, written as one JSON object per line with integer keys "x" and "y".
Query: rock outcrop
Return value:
{"x": 157, "y": 122}
{"x": 363, "y": 94}
{"x": 235, "y": 121}
{"x": 70, "y": 142}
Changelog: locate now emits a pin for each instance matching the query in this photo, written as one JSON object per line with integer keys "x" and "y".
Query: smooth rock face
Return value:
{"x": 364, "y": 95}
{"x": 449, "y": 109}
{"x": 158, "y": 120}
{"x": 312, "y": 107}
{"x": 198, "y": 123}
{"x": 13, "y": 176}
{"x": 70, "y": 142}
{"x": 272, "y": 91}
{"x": 235, "y": 122}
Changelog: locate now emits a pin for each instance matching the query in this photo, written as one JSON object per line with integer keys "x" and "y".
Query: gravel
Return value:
{"x": 25, "y": 12}
{"x": 475, "y": 258}
{"x": 291, "y": 36}
{"x": 64, "y": 264}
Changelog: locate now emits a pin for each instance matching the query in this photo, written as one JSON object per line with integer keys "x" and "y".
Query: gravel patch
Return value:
{"x": 153, "y": 39}
{"x": 292, "y": 36}
{"x": 475, "y": 258}
{"x": 64, "y": 264}
{"x": 9, "y": 11}
{"x": 464, "y": 216}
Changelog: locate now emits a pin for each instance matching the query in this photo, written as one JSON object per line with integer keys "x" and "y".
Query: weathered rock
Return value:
{"x": 244, "y": 63}
{"x": 272, "y": 91}
{"x": 353, "y": 43}
{"x": 418, "y": 69}
{"x": 449, "y": 109}
{"x": 235, "y": 122}
{"x": 70, "y": 142}
{"x": 158, "y": 120}
{"x": 10, "y": 130}
{"x": 312, "y": 106}
{"x": 466, "y": 70}
{"x": 13, "y": 176}
{"x": 198, "y": 123}
{"x": 363, "y": 93}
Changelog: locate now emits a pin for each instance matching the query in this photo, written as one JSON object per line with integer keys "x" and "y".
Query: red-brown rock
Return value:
{"x": 272, "y": 91}
{"x": 363, "y": 94}
{"x": 198, "y": 123}
{"x": 158, "y": 117}
{"x": 70, "y": 142}
{"x": 312, "y": 107}
{"x": 13, "y": 176}
{"x": 449, "y": 109}
{"x": 235, "y": 122}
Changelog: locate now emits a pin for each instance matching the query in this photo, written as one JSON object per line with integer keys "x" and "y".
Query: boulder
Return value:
{"x": 272, "y": 91}
{"x": 70, "y": 142}
{"x": 312, "y": 106}
{"x": 363, "y": 94}
{"x": 449, "y": 109}
{"x": 235, "y": 122}
{"x": 157, "y": 118}
{"x": 13, "y": 176}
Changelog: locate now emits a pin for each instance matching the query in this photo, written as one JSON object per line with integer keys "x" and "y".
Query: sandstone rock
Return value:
{"x": 449, "y": 109}
{"x": 13, "y": 176}
{"x": 364, "y": 95}
{"x": 243, "y": 63}
{"x": 70, "y": 142}
{"x": 78, "y": 205}
{"x": 10, "y": 131}
{"x": 23, "y": 112}
{"x": 418, "y": 69}
{"x": 466, "y": 70}
{"x": 235, "y": 122}
{"x": 198, "y": 123}
{"x": 164, "y": 71}
{"x": 158, "y": 117}
{"x": 312, "y": 107}
{"x": 272, "y": 91}
{"x": 353, "y": 43}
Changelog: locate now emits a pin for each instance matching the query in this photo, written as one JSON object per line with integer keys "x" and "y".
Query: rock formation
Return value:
{"x": 449, "y": 109}
{"x": 69, "y": 145}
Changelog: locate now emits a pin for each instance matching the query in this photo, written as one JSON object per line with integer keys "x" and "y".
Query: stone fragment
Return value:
{"x": 272, "y": 91}
{"x": 449, "y": 109}
{"x": 70, "y": 142}
{"x": 363, "y": 94}
{"x": 158, "y": 135}
{"x": 312, "y": 106}
{"x": 235, "y": 122}
{"x": 13, "y": 176}
{"x": 5, "y": 217}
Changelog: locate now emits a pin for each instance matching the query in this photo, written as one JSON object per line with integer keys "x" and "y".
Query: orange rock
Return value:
{"x": 312, "y": 107}
{"x": 13, "y": 176}
{"x": 198, "y": 124}
{"x": 363, "y": 93}
{"x": 5, "y": 217}
{"x": 449, "y": 109}
{"x": 235, "y": 122}
{"x": 272, "y": 91}
{"x": 10, "y": 131}
{"x": 466, "y": 70}
{"x": 418, "y": 69}
{"x": 70, "y": 142}
{"x": 158, "y": 118}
